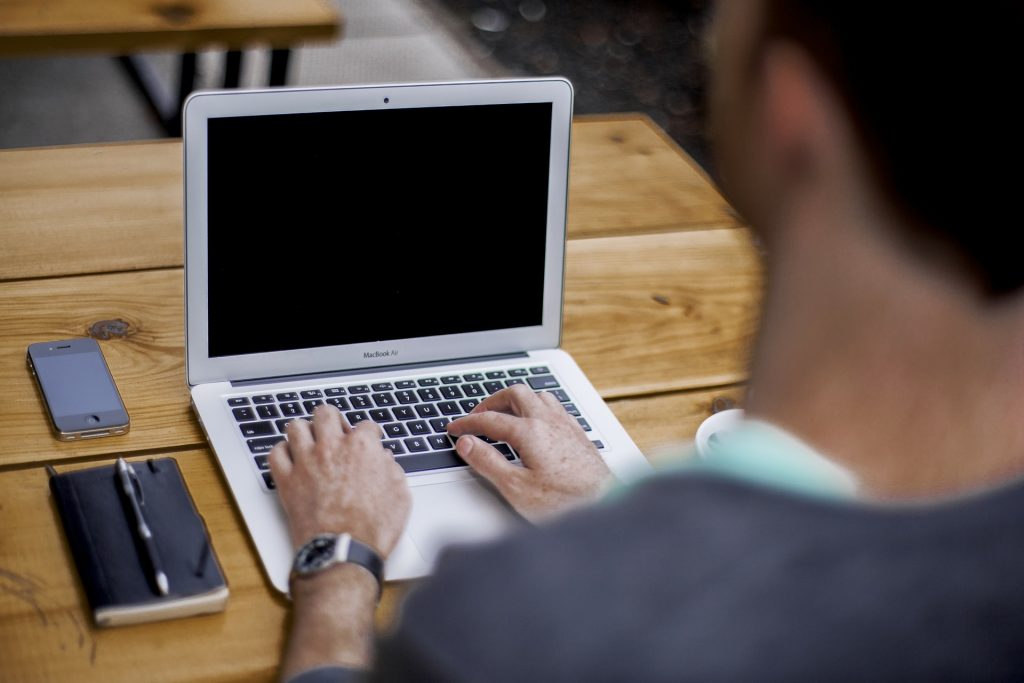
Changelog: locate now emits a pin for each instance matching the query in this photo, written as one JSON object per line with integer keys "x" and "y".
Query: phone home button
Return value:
{"x": 92, "y": 419}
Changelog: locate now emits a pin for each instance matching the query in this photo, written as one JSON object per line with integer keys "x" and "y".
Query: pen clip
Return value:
{"x": 137, "y": 485}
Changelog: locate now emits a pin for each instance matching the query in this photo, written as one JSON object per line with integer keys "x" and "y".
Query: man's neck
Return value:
{"x": 887, "y": 366}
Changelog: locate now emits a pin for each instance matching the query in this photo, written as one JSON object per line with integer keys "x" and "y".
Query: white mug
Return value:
{"x": 716, "y": 424}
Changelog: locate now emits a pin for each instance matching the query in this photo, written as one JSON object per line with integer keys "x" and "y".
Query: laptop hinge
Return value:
{"x": 389, "y": 369}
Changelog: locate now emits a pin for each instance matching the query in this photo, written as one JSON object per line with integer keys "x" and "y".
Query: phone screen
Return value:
{"x": 76, "y": 384}
{"x": 77, "y": 388}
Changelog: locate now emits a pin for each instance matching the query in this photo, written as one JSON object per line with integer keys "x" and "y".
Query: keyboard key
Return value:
{"x": 598, "y": 444}
{"x": 406, "y": 397}
{"x": 257, "y": 428}
{"x": 428, "y": 394}
{"x": 334, "y": 391}
{"x": 427, "y": 410}
{"x": 416, "y": 445}
{"x": 439, "y": 424}
{"x": 263, "y": 398}
{"x": 560, "y": 395}
{"x": 493, "y": 387}
{"x": 243, "y": 414}
{"x": 518, "y": 372}
{"x": 405, "y": 384}
{"x": 361, "y": 402}
{"x": 584, "y": 424}
{"x": 359, "y": 389}
{"x": 404, "y": 413}
{"x": 263, "y": 462}
{"x": 383, "y": 400}
{"x": 312, "y": 393}
{"x": 436, "y": 460}
{"x": 267, "y": 412}
{"x": 380, "y": 415}
{"x": 429, "y": 382}
{"x": 257, "y": 446}
{"x": 473, "y": 377}
{"x": 394, "y": 446}
{"x": 418, "y": 428}
{"x": 291, "y": 409}
{"x": 355, "y": 417}
{"x": 514, "y": 380}
{"x": 268, "y": 480}
{"x": 496, "y": 374}
{"x": 451, "y": 379}
{"x": 238, "y": 401}
{"x": 339, "y": 403}
{"x": 541, "y": 370}
{"x": 571, "y": 409}
{"x": 472, "y": 390}
{"x": 439, "y": 442}
{"x": 310, "y": 406}
{"x": 468, "y": 404}
{"x": 505, "y": 450}
{"x": 449, "y": 408}
{"x": 395, "y": 430}
{"x": 282, "y": 425}
{"x": 288, "y": 396}
{"x": 450, "y": 392}
{"x": 542, "y": 382}
{"x": 382, "y": 386}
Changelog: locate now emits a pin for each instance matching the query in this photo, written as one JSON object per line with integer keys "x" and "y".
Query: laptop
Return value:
{"x": 396, "y": 251}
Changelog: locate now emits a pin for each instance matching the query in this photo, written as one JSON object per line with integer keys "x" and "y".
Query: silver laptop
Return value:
{"x": 396, "y": 251}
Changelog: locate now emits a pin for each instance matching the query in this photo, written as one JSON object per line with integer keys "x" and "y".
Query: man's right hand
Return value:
{"x": 561, "y": 467}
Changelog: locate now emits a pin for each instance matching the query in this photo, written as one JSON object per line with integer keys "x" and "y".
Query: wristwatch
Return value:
{"x": 326, "y": 550}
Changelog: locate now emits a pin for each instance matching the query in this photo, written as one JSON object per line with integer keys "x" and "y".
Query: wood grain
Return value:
{"x": 90, "y": 209}
{"x": 32, "y": 27}
{"x": 46, "y": 631}
{"x": 626, "y": 342}
{"x": 106, "y": 208}
{"x": 148, "y": 365}
{"x": 627, "y": 178}
{"x": 657, "y": 313}
{"x": 668, "y": 421}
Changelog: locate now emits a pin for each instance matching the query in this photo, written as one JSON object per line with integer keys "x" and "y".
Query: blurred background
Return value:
{"x": 621, "y": 55}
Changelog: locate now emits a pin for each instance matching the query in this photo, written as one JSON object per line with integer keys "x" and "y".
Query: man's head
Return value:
{"x": 916, "y": 100}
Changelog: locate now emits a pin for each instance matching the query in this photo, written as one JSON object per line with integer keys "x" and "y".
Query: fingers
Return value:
{"x": 486, "y": 460}
{"x": 518, "y": 399}
{"x": 327, "y": 423}
{"x": 280, "y": 461}
{"x": 300, "y": 437}
{"x": 368, "y": 430}
{"x": 500, "y": 426}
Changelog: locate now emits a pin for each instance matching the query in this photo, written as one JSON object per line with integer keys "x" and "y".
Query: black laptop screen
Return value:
{"x": 347, "y": 227}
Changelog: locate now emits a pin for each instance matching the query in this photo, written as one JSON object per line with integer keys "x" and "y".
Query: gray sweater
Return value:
{"x": 696, "y": 577}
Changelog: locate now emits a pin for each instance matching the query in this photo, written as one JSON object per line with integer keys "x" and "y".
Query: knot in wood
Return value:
{"x": 720, "y": 403}
{"x": 110, "y": 329}
{"x": 175, "y": 12}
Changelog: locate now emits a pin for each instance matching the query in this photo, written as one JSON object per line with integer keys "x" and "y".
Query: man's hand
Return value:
{"x": 561, "y": 467}
{"x": 333, "y": 478}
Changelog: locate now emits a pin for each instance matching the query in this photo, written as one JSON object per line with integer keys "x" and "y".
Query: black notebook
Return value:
{"x": 111, "y": 557}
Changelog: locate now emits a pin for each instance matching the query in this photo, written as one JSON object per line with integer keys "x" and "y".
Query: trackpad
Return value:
{"x": 456, "y": 512}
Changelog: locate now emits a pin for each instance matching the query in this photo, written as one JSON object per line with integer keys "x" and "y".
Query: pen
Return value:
{"x": 127, "y": 477}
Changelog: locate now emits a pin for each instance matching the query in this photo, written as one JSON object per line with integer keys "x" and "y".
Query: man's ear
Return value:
{"x": 795, "y": 111}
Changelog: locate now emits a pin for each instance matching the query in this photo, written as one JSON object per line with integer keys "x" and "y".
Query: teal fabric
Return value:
{"x": 761, "y": 453}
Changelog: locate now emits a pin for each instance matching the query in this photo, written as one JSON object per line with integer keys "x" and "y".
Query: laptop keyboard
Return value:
{"x": 412, "y": 413}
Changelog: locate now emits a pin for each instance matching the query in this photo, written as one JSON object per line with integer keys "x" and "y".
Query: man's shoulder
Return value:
{"x": 711, "y": 570}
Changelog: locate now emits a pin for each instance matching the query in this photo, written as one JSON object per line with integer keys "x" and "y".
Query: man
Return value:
{"x": 892, "y": 340}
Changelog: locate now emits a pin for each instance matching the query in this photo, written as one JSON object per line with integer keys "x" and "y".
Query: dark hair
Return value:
{"x": 932, "y": 89}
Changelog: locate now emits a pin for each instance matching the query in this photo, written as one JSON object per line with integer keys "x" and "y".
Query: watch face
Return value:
{"x": 316, "y": 554}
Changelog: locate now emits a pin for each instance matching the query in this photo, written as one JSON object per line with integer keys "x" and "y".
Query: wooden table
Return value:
{"x": 124, "y": 27}
{"x": 662, "y": 290}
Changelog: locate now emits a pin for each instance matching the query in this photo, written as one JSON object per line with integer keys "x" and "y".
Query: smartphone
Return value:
{"x": 77, "y": 388}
